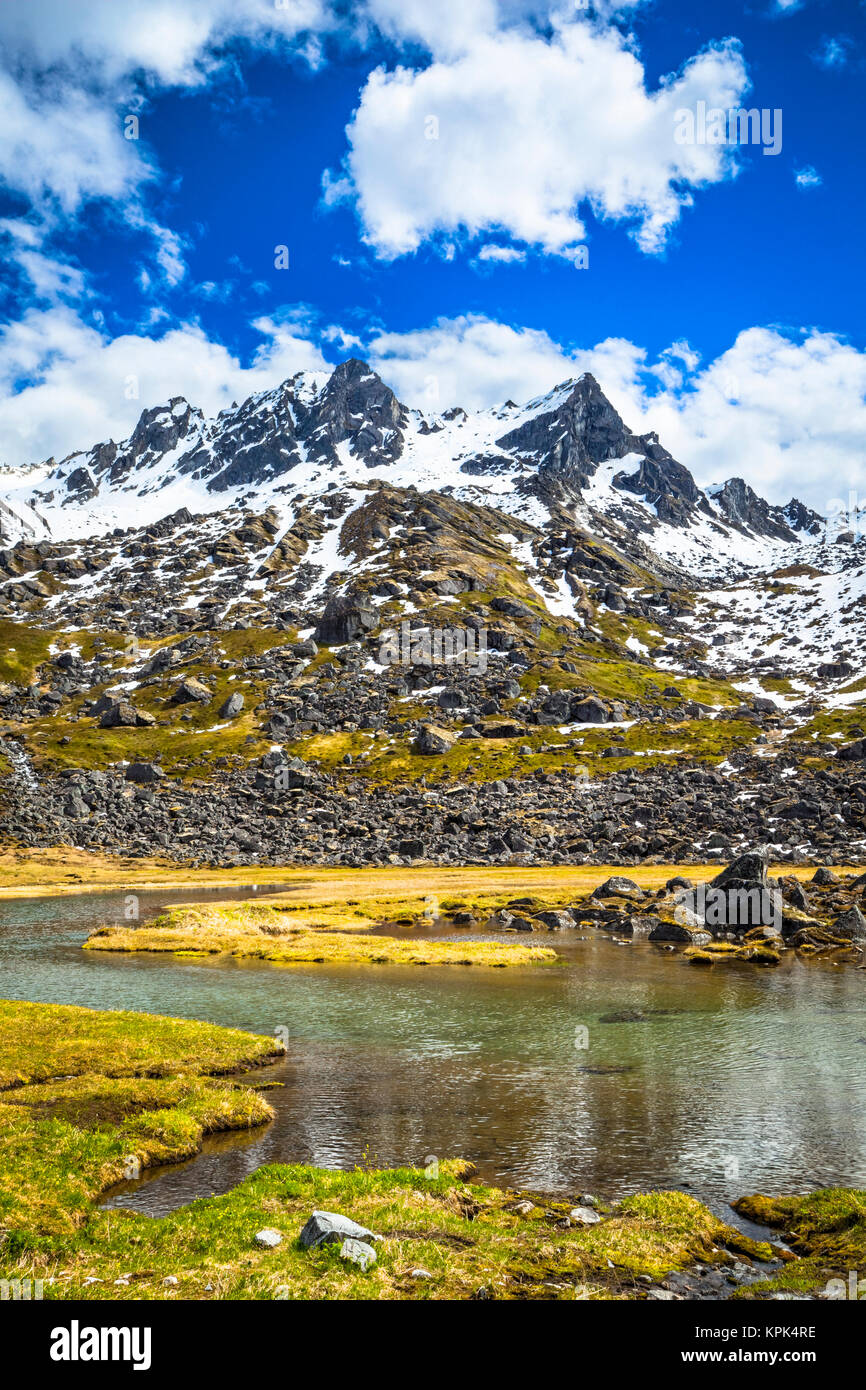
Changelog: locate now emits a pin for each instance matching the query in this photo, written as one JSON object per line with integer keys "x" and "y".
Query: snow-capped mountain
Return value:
{"x": 328, "y": 486}
{"x": 566, "y": 450}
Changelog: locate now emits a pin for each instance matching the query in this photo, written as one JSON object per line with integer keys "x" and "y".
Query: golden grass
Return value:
{"x": 262, "y": 931}
{"x": 62, "y": 869}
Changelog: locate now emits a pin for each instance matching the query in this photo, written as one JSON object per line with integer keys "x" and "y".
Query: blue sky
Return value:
{"x": 723, "y": 303}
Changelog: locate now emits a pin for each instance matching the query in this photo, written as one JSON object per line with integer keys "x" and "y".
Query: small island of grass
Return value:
{"x": 287, "y": 933}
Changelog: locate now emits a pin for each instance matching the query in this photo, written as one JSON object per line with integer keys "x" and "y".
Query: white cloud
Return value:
{"x": 518, "y": 133}
{"x": 61, "y": 147}
{"x": 71, "y": 73}
{"x": 785, "y": 411}
{"x": 807, "y": 177}
{"x": 174, "y": 42}
{"x": 505, "y": 254}
{"x": 51, "y": 278}
{"x": 84, "y": 384}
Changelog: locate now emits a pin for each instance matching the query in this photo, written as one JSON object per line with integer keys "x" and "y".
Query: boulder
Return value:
{"x": 143, "y": 772}
{"x": 590, "y": 711}
{"x": 433, "y": 740}
{"x": 676, "y": 931}
{"x": 852, "y": 752}
{"x": 852, "y": 924}
{"x": 747, "y": 871}
{"x": 191, "y": 691}
{"x": 331, "y": 1228}
{"x": 126, "y": 716}
{"x": 232, "y": 707}
{"x": 345, "y": 618}
{"x": 618, "y": 887}
{"x": 824, "y": 876}
{"x": 583, "y": 1216}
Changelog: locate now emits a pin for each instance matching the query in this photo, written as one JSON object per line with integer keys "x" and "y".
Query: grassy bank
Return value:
{"x": 826, "y": 1229}
{"x": 86, "y": 1097}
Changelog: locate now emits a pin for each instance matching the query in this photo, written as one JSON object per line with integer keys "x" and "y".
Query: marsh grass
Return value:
{"x": 285, "y": 934}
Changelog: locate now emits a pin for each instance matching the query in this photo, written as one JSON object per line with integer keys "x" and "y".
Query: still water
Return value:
{"x": 739, "y": 1079}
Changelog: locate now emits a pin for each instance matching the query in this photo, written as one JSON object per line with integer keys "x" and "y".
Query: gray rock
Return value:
{"x": 618, "y": 887}
{"x": 851, "y": 924}
{"x": 433, "y": 740}
{"x": 191, "y": 691}
{"x": 329, "y": 1227}
{"x": 358, "y": 1252}
{"x": 268, "y": 1238}
{"x": 143, "y": 772}
{"x": 232, "y": 706}
{"x": 584, "y": 1216}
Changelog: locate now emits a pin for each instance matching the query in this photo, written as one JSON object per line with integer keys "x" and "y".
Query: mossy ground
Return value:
{"x": 43, "y": 1041}
{"x": 82, "y": 1092}
{"x": 826, "y": 1229}
{"x": 189, "y": 741}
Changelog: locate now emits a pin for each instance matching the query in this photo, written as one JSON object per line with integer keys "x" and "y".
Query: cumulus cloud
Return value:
{"x": 520, "y": 133}
{"x": 71, "y": 73}
{"x": 86, "y": 387}
{"x": 786, "y": 411}
{"x": 174, "y": 42}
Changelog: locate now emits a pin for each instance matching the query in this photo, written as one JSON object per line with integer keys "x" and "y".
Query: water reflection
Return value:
{"x": 735, "y": 1080}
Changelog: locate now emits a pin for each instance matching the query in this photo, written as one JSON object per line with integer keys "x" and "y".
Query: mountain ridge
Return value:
{"x": 552, "y": 450}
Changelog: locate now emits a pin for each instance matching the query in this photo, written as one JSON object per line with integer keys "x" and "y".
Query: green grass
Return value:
{"x": 40, "y": 1041}
{"x": 22, "y": 649}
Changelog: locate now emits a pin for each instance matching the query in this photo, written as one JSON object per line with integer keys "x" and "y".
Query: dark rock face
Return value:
{"x": 569, "y": 441}
{"x": 743, "y": 508}
{"x": 345, "y": 618}
{"x": 801, "y": 518}
{"x": 662, "y": 482}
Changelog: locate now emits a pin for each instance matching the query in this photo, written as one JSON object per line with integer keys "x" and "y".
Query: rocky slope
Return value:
{"x": 223, "y": 639}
